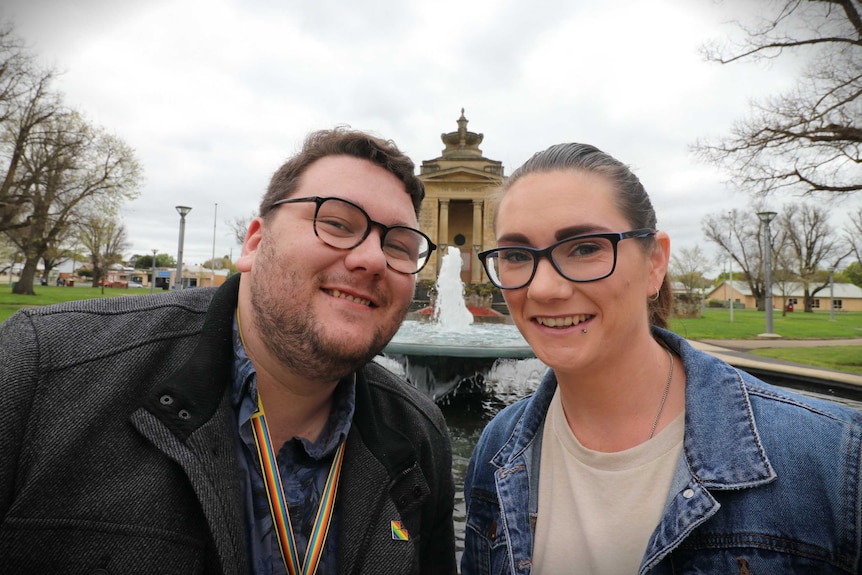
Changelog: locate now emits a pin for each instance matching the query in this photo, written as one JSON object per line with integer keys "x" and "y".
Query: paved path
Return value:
{"x": 749, "y": 344}
{"x": 735, "y": 352}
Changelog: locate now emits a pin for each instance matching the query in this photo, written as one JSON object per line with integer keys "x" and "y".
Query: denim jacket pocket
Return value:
{"x": 747, "y": 561}
{"x": 754, "y": 551}
{"x": 485, "y": 549}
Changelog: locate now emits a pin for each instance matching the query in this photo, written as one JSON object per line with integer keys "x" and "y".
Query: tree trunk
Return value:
{"x": 97, "y": 276}
{"x": 25, "y": 281}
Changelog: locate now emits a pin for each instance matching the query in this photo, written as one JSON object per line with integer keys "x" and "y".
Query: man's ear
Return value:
{"x": 250, "y": 245}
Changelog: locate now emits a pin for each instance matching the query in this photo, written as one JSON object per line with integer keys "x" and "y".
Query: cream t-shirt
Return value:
{"x": 598, "y": 510}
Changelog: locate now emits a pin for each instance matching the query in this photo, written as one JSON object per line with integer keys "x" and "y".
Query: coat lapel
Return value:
{"x": 369, "y": 503}
{"x": 188, "y": 417}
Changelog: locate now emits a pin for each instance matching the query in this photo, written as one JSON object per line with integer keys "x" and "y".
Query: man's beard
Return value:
{"x": 292, "y": 334}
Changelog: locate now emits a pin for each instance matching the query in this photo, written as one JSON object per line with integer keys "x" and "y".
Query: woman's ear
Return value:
{"x": 659, "y": 259}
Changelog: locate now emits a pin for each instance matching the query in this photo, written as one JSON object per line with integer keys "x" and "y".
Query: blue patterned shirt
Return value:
{"x": 303, "y": 465}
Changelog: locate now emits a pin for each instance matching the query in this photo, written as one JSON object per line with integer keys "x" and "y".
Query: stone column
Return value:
{"x": 443, "y": 229}
{"x": 478, "y": 206}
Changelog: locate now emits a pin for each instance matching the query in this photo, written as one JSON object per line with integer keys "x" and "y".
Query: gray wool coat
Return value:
{"x": 117, "y": 449}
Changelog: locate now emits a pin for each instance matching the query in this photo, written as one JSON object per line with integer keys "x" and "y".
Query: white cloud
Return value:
{"x": 214, "y": 94}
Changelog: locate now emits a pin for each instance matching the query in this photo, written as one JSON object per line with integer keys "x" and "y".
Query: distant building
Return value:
{"x": 193, "y": 276}
{"x": 199, "y": 276}
{"x": 846, "y": 296}
{"x": 457, "y": 210}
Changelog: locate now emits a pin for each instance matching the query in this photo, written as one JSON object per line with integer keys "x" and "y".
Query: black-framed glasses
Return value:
{"x": 342, "y": 224}
{"x": 587, "y": 258}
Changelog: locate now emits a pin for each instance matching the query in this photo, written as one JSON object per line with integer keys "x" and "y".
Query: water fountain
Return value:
{"x": 455, "y": 356}
{"x": 450, "y": 310}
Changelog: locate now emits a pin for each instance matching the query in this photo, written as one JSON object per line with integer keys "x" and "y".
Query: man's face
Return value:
{"x": 323, "y": 312}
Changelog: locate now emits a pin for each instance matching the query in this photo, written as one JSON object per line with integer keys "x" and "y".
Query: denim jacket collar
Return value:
{"x": 721, "y": 402}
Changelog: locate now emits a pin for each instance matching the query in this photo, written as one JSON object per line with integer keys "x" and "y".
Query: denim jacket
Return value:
{"x": 768, "y": 481}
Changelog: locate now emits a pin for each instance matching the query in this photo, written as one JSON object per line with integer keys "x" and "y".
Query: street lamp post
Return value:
{"x": 730, "y": 277}
{"x": 153, "y": 274}
{"x": 183, "y": 210}
{"x": 732, "y": 213}
{"x": 212, "y": 261}
{"x": 766, "y": 218}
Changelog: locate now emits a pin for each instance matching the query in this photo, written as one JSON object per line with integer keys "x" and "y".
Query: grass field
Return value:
{"x": 715, "y": 324}
{"x": 847, "y": 358}
{"x": 46, "y": 295}
{"x": 747, "y": 324}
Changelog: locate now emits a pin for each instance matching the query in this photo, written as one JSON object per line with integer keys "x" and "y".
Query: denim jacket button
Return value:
{"x": 688, "y": 493}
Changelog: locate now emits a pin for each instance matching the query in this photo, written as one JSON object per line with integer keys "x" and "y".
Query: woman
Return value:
{"x": 637, "y": 453}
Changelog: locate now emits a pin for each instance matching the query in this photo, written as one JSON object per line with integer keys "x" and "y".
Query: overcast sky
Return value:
{"x": 214, "y": 94}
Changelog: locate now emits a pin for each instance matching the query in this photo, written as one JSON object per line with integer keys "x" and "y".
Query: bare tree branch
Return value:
{"x": 808, "y": 140}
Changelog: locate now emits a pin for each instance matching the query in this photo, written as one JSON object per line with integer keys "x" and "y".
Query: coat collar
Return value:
{"x": 722, "y": 445}
{"x": 190, "y": 396}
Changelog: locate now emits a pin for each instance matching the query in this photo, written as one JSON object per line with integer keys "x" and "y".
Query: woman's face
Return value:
{"x": 552, "y": 312}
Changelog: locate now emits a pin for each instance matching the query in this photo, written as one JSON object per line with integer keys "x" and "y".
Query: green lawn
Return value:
{"x": 847, "y": 358}
{"x": 715, "y": 324}
{"x": 747, "y": 324}
{"x": 45, "y": 295}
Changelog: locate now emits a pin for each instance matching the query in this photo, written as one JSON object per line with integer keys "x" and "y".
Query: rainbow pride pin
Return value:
{"x": 399, "y": 533}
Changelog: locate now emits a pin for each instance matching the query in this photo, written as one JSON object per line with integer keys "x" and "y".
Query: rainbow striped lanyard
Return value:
{"x": 278, "y": 505}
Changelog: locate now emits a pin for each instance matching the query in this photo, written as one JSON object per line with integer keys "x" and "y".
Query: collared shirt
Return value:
{"x": 303, "y": 465}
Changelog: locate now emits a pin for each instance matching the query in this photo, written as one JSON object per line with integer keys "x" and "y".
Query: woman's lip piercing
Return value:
{"x": 585, "y": 331}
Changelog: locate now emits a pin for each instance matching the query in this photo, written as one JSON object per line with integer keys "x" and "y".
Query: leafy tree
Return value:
{"x": 687, "y": 267}
{"x": 145, "y": 262}
{"x": 51, "y": 258}
{"x": 852, "y": 274}
{"x": 808, "y": 139}
{"x": 69, "y": 170}
{"x": 216, "y": 264}
{"x": 105, "y": 239}
{"x": 8, "y": 255}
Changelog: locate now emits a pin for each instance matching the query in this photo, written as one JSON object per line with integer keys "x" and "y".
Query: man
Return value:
{"x": 171, "y": 433}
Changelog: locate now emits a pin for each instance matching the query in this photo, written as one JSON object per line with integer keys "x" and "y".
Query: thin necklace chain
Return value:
{"x": 664, "y": 395}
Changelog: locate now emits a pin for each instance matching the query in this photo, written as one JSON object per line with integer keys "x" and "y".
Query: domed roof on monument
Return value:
{"x": 462, "y": 155}
{"x": 462, "y": 141}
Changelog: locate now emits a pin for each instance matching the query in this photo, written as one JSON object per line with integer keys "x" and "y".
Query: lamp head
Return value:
{"x": 183, "y": 210}
{"x": 766, "y": 217}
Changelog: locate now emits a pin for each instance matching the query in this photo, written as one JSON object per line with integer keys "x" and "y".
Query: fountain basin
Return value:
{"x": 486, "y": 340}
{"x": 453, "y": 355}
{"x": 415, "y": 349}
{"x": 444, "y": 362}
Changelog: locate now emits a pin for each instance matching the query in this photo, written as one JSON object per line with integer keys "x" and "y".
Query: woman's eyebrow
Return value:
{"x": 514, "y": 238}
{"x": 573, "y": 231}
{"x": 561, "y": 234}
